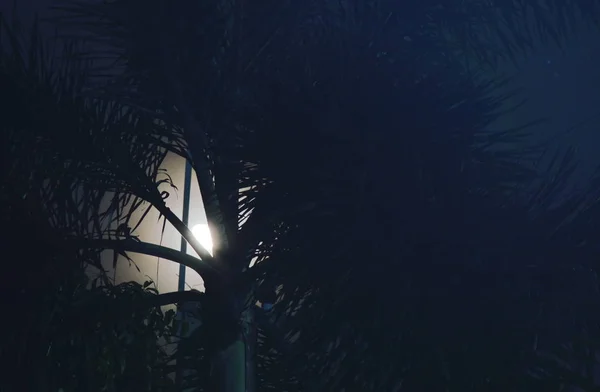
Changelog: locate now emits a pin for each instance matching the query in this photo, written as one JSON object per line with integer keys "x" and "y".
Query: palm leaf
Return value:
{"x": 417, "y": 140}
{"x": 92, "y": 162}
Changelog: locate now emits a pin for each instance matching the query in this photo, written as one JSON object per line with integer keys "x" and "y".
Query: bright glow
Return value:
{"x": 202, "y": 234}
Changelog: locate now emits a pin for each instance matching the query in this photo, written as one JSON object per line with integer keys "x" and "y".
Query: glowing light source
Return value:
{"x": 202, "y": 234}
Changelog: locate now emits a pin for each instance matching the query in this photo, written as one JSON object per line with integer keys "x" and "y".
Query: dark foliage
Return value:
{"x": 408, "y": 252}
{"x": 60, "y": 332}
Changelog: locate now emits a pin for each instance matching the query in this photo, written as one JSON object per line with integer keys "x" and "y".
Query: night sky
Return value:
{"x": 562, "y": 85}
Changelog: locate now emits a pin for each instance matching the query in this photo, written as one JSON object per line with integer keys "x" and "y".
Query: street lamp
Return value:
{"x": 202, "y": 234}
{"x": 200, "y": 231}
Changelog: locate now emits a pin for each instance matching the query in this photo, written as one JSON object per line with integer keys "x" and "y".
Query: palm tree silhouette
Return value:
{"x": 355, "y": 168}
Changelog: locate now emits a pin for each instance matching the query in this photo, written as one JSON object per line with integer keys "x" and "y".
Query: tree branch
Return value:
{"x": 191, "y": 239}
{"x": 198, "y": 146}
{"x": 129, "y": 245}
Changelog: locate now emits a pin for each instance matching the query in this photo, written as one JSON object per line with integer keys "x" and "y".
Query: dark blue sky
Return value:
{"x": 562, "y": 85}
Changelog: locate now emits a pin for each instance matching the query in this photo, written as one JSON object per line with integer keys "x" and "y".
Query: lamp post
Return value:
{"x": 187, "y": 190}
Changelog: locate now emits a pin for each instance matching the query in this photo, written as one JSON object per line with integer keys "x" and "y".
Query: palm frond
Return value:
{"x": 90, "y": 164}
{"x": 380, "y": 159}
